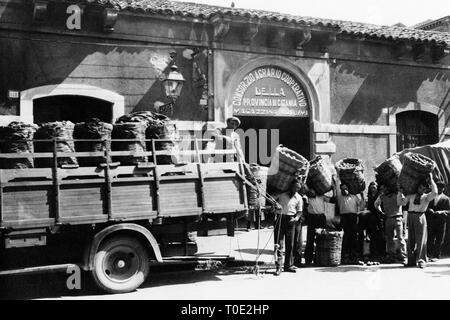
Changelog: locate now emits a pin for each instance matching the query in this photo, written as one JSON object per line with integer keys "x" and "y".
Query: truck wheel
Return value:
{"x": 121, "y": 265}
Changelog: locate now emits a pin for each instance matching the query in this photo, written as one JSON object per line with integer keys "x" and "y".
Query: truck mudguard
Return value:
{"x": 93, "y": 246}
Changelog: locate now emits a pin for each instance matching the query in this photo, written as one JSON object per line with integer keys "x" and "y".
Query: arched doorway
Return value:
{"x": 77, "y": 99}
{"x": 416, "y": 128}
{"x": 275, "y": 98}
{"x": 71, "y": 107}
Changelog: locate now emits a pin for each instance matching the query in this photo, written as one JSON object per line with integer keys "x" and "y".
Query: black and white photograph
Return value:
{"x": 223, "y": 155}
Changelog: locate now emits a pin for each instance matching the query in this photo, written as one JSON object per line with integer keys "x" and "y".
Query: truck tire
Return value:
{"x": 121, "y": 264}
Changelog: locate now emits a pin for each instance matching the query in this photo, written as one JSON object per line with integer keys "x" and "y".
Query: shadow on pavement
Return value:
{"x": 48, "y": 285}
{"x": 53, "y": 285}
{"x": 350, "y": 268}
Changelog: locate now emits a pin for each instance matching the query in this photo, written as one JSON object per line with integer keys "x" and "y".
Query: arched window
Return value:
{"x": 416, "y": 128}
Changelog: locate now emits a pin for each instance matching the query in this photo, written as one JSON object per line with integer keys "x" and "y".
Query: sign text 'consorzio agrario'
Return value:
{"x": 269, "y": 91}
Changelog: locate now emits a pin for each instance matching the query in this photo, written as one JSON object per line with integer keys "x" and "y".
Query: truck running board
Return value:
{"x": 41, "y": 269}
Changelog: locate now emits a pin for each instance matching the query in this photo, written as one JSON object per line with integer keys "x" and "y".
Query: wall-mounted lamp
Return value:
{"x": 173, "y": 83}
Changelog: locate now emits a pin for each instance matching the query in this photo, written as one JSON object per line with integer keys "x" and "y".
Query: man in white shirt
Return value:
{"x": 286, "y": 218}
{"x": 349, "y": 206}
{"x": 417, "y": 223}
{"x": 315, "y": 218}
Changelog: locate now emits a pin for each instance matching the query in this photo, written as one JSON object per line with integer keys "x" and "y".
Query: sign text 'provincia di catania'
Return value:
{"x": 269, "y": 91}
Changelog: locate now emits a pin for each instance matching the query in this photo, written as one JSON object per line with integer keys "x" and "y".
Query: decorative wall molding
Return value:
{"x": 109, "y": 19}
{"x": 276, "y": 38}
{"x": 326, "y": 41}
{"x": 221, "y": 29}
{"x": 401, "y": 50}
{"x": 302, "y": 38}
{"x": 40, "y": 11}
{"x": 250, "y": 32}
{"x": 438, "y": 53}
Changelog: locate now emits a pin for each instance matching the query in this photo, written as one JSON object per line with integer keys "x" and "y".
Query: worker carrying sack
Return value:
{"x": 62, "y": 131}
{"x": 416, "y": 168}
{"x": 388, "y": 171}
{"x": 285, "y": 166}
{"x": 351, "y": 173}
{"x": 96, "y": 130}
{"x": 320, "y": 176}
{"x": 17, "y": 137}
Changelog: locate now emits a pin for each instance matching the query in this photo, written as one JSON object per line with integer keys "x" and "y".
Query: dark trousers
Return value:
{"x": 284, "y": 229}
{"x": 349, "y": 222}
{"x": 298, "y": 242}
{"x": 437, "y": 224}
{"x": 313, "y": 221}
{"x": 417, "y": 238}
{"x": 371, "y": 223}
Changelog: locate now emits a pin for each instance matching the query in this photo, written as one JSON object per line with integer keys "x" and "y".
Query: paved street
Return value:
{"x": 237, "y": 282}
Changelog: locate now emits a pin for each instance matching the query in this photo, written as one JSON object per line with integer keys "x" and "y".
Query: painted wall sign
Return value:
{"x": 270, "y": 91}
{"x": 73, "y": 22}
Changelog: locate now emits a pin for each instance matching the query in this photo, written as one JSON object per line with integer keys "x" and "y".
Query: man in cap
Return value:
{"x": 228, "y": 139}
{"x": 436, "y": 214}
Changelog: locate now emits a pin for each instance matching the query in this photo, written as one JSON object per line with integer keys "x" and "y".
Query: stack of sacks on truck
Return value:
{"x": 92, "y": 129}
{"x": 351, "y": 173}
{"x": 416, "y": 168}
{"x": 17, "y": 137}
{"x": 140, "y": 126}
{"x": 388, "y": 171}
{"x": 133, "y": 136}
{"x": 285, "y": 166}
{"x": 161, "y": 127}
{"x": 62, "y": 131}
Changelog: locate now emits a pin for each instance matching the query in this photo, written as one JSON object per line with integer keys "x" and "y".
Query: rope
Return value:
{"x": 267, "y": 197}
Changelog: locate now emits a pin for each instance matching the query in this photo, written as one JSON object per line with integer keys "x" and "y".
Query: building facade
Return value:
{"x": 333, "y": 88}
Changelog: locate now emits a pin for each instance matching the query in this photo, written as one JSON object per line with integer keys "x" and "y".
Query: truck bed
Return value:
{"x": 43, "y": 197}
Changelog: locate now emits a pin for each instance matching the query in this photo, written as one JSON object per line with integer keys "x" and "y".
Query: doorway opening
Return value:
{"x": 73, "y": 108}
{"x": 293, "y": 133}
{"x": 416, "y": 128}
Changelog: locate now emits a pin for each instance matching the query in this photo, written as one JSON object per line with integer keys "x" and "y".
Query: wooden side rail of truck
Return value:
{"x": 112, "y": 220}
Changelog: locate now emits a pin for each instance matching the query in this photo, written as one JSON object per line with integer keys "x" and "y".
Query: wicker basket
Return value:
{"x": 259, "y": 177}
{"x": 320, "y": 177}
{"x": 285, "y": 166}
{"x": 416, "y": 168}
{"x": 387, "y": 172}
{"x": 328, "y": 247}
{"x": 351, "y": 173}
